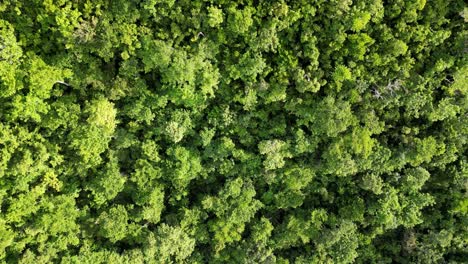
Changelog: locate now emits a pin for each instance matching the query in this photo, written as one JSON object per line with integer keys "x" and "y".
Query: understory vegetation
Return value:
{"x": 202, "y": 131}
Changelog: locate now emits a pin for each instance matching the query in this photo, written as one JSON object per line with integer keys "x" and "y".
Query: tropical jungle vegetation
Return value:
{"x": 233, "y": 131}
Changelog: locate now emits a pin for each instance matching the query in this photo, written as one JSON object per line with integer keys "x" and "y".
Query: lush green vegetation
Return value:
{"x": 202, "y": 131}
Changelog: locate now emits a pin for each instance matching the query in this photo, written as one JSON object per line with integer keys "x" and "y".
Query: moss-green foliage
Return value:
{"x": 163, "y": 131}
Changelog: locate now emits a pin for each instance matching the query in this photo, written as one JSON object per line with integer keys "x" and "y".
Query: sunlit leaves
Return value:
{"x": 275, "y": 151}
{"x": 223, "y": 131}
{"x": 10, "y": 54}
{"x": 113, "y": 223}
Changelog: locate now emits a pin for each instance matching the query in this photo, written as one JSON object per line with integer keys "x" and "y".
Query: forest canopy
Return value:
{"x": 202, "y": 131}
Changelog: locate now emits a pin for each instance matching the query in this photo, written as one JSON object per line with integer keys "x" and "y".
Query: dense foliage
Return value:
{"x": 202, "y": 131}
